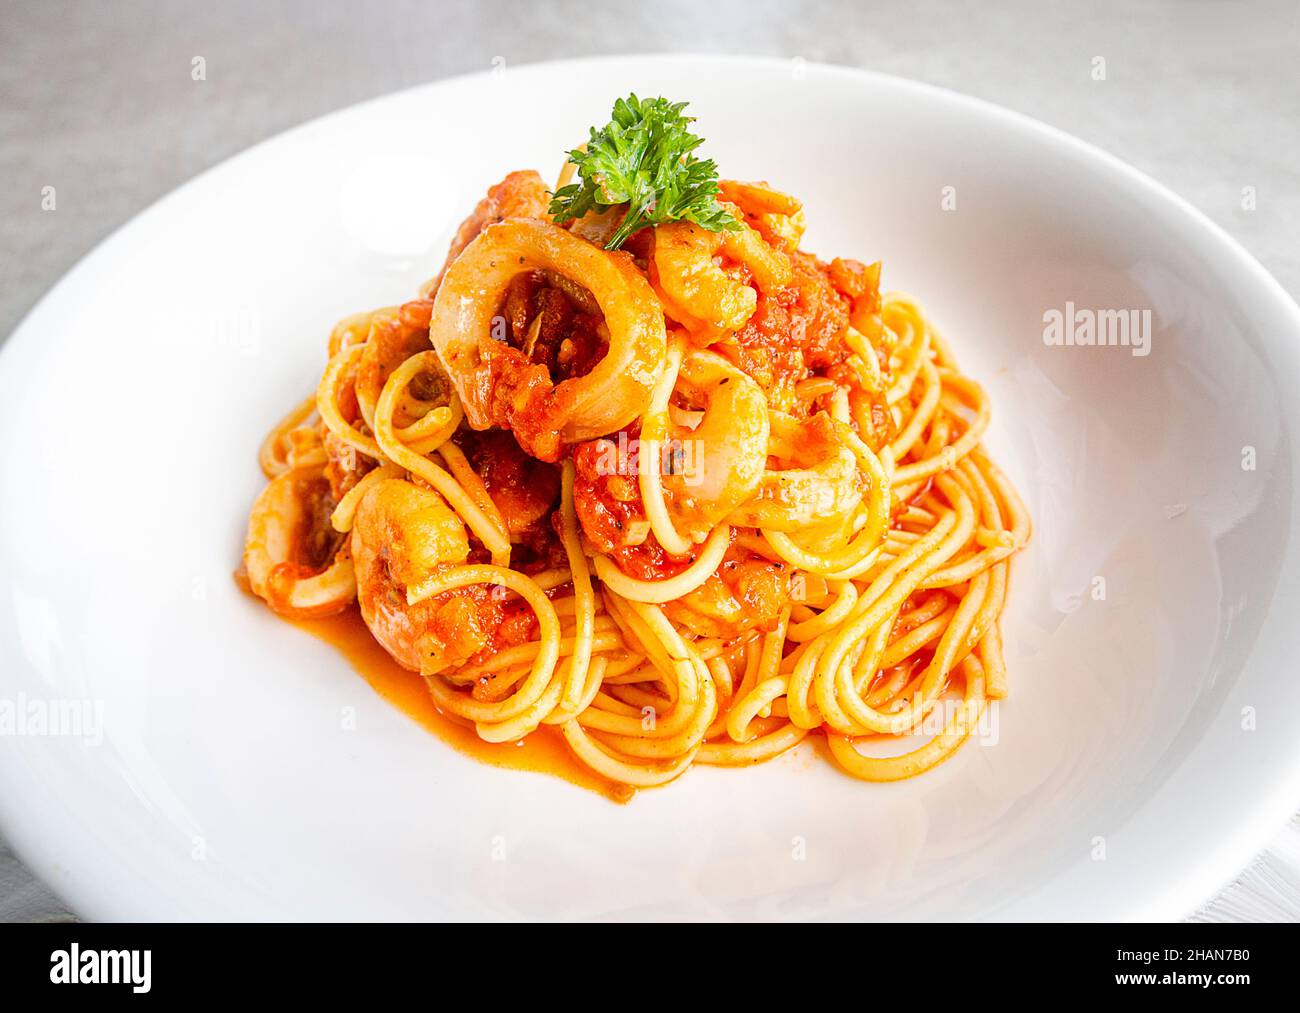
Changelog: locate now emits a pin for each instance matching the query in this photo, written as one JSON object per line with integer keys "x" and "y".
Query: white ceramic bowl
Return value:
{"x": 1152, "y": 738}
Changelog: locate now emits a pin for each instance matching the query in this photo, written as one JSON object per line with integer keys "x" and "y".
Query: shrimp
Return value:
{"x": 715, "y": 299}
{"x": 694, "y": 285}
{"x": 759, "y": 198}
{"x": 777, "y": 216}
{"x": 293, "y": 558}
{"x": 731, "y": 440}
{"x": 770, "y": 267}
{"x": 796, "y": 498}
{"x": 402, "y": 534}
{"x": 746, "y": 593}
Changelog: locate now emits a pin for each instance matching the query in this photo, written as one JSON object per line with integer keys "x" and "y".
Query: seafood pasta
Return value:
{"x": 636, "y": 470}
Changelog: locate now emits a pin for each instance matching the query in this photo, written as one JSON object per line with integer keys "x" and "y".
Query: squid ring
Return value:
{"x": 731, "y": 439}
{"x": 616, "y": 390}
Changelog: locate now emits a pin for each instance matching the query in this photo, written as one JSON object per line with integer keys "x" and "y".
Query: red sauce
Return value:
{"x": 524, "y": 489}
{"x": 607, "y": 500}
{"x": 543, "y": 751}
{"x": 794, "y": 330}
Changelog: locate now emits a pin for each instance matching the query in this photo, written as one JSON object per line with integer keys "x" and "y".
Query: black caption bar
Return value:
{"x": 365, "y": 961}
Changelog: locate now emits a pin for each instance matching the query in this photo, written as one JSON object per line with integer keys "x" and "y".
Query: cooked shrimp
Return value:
{"x": 722, "y": 459}
{"x": 746, "y": 593}
{"x": 777, "y": 216}
{"x": 758, "y": 198}
{"x": 293, "y": 559}
{"x": 795, "y": 498}
{"x": 694, "y": 284}
{"x": 401, "y": 535}
{"x": 716, "y": 300}
{"x": 770, "y": 267}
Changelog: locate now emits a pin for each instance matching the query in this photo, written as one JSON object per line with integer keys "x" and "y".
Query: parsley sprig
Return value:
{"x": 643, "y": 158}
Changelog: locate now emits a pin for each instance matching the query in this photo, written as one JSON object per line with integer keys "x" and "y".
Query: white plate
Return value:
{"x": 1151, "y": 741}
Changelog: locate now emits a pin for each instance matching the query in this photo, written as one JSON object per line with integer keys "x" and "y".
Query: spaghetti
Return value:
{"x": 688, "y": 501}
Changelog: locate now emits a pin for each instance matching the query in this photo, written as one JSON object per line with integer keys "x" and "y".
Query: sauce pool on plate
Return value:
{"x": 544, "y": 751}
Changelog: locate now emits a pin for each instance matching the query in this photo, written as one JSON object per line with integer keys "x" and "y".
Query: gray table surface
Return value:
{"x": 98, "y": 101}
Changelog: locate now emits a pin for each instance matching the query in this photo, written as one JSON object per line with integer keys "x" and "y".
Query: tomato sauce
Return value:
{"x": 543, "y": 751}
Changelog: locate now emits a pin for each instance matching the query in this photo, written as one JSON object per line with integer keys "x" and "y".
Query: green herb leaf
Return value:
{"x": 643, "y": 158}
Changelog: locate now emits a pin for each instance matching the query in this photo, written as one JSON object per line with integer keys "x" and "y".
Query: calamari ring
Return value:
{"x": 731, "y": 440}
{"x": 275, "y": 535}
{"x": 488, "y": 376}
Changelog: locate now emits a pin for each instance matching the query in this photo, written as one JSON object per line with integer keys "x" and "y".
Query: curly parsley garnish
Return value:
{"x": 642, "y": 158}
